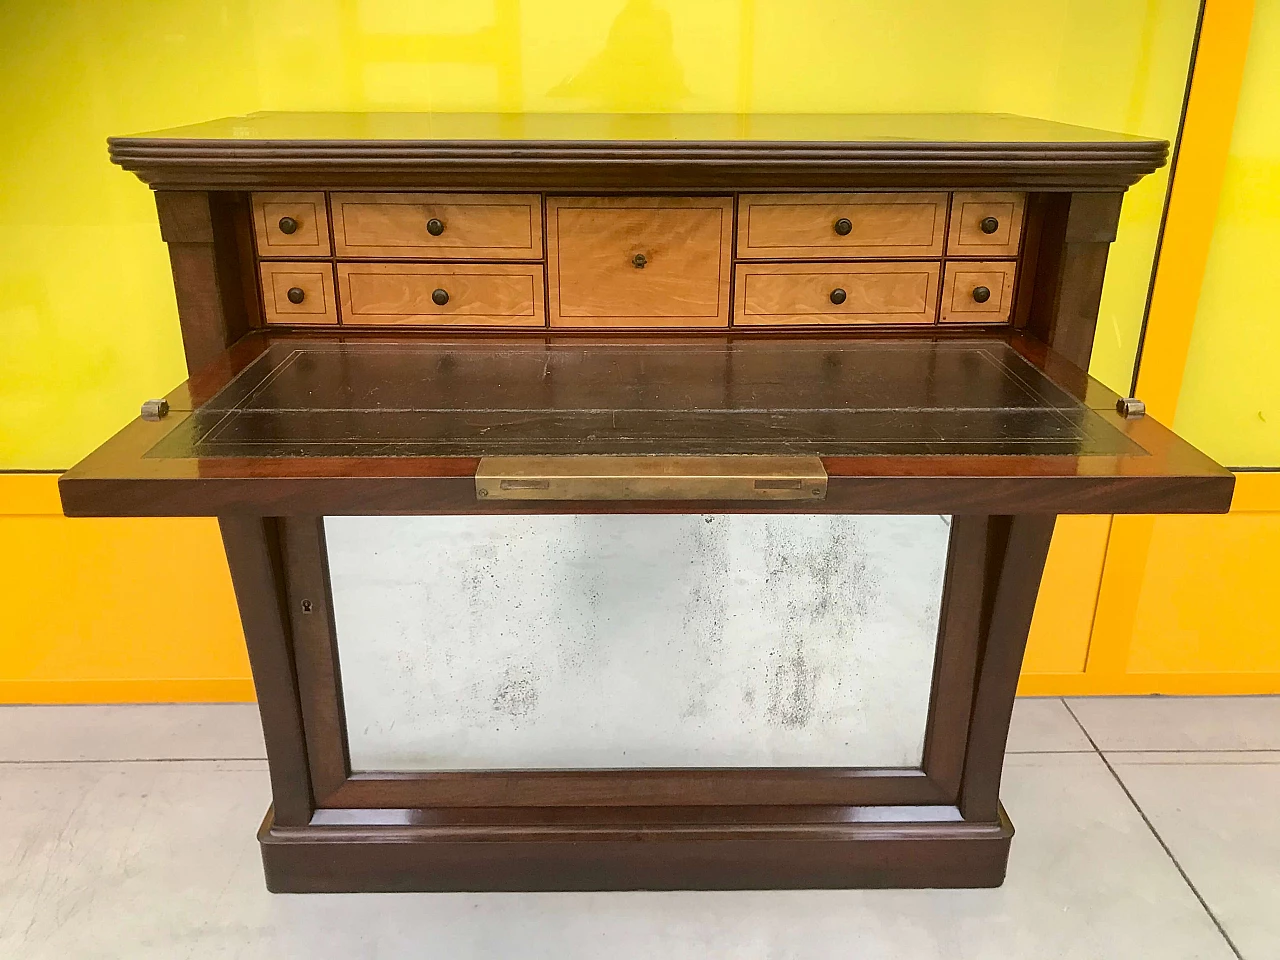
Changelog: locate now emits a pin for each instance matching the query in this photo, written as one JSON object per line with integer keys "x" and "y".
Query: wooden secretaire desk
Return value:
{"x": 637, "y": 501}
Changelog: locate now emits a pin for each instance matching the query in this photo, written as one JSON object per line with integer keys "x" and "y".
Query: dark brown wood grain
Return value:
{"x": 315, "y": 654}
{"x": 1017, "y": 549}
{"x": 748, "y": 848}
{"x": 257, "y": 575}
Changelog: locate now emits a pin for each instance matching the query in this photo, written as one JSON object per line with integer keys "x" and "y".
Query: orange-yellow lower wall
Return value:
{"x": 112, "y": 611}
{"x": 101, "y": 611}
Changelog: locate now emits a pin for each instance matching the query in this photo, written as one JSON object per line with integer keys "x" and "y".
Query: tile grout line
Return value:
{"x": 1155, "y": 833}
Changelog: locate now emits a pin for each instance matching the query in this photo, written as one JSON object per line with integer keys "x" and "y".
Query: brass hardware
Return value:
{"x": 981, "y": 294}
{"x": 155, "y": 410}
{"x": 838, "y": 296}
{"x": 988, "y": 224}
{"x": 296, "y": 294}
{"x": 639, "y": 260}
{"x": 844, "y": 226}
{"x": 439, "y": 297}
{"x": 1131, "y": 407}
{"x": 435, "y": 227}
{"x": 288, "y": 225}
{"x": 651, "y": 478}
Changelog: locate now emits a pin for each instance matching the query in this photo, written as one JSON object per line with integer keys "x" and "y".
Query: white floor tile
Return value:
{"x": 181, "y": 731}
{"x": 1045, "y": 725}
{"x": 1218, "y": 817}
{"x": 158, "y": 860}
{"x": 1180, "y": 723}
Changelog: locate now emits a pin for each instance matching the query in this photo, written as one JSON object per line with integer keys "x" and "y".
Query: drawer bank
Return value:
{"x": 635, "y": 502}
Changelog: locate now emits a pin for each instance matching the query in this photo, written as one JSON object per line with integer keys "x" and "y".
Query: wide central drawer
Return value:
{"x": 803, "y": 293}
{"x": 441, "y": 226}
{"x": 452, "y": 294}
{"x": 639, "y": 261}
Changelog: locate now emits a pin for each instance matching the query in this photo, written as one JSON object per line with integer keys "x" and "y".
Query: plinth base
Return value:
{"x": 353, "y": 851}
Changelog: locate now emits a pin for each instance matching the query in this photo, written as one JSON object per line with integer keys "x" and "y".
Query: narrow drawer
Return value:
{"x": 817, "y": 226}
{"x": 298, "y": 292}
{"x": 460, "y": 294}
{"x": 438, "y": 226}
{"x": 795, "y": 293}
{"x": 291, "y": 224}
{"x": 985, "y": 224}
{"x": 978, "y": 292}
{"x": 639, "y": 261}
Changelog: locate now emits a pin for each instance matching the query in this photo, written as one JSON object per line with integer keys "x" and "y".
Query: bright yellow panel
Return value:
{"x": 85, "y": 293}
{"x": 1059, "y": 639}
{"x": 1230, "y": 400}
{"x": 122, "y": 609}
{"x": 1208, "y": 601}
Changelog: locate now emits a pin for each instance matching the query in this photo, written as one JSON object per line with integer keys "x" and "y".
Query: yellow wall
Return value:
{"x": 87, "y": 306}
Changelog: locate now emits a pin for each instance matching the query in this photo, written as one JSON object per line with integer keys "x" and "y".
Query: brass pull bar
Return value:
{"x": 651, "y": 478}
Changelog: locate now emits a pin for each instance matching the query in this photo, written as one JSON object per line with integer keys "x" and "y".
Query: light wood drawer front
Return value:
{"x": 963, "y": 297}
{"x": 985, "y": 224}
{"x": 438, "y": 226}
{"x": 639, "y": 261}
{"x": 488, "y": 295}
{"x": 291, "y": 224}
{"x": 298, "y": 292}
{"x": 797, "y": 293}
{"x": 841, "y": 225}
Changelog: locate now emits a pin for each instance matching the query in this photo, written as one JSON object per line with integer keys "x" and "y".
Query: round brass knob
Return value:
{"x": 981, "y": 294}
{"x": 838, "y": 296}
{"x": 435, "y": 227}
{"x": 439, "y": 297}
{"x": 296, "y": 294}
{"x": 288, "y": 225}
{"x": 844, "y": 226}
{"x": 988, "y": 224}
{"x": 639, "y": 260}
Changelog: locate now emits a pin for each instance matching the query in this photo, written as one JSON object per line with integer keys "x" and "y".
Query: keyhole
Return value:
{"x": 306, "y": 606}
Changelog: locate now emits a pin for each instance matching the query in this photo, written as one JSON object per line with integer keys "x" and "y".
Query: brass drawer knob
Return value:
{"x": 639, "y": 260}
{"x": 296, "y": 294}
{"x": 838, "y": 296}
{"x": 844, "y": 226}
{"x": 439, "y": 296}
{"x": 288, "y": 225}
{"x": 981, "y": 294}
{"x": 435, "y": 227}
{"x": 988, "y": 224}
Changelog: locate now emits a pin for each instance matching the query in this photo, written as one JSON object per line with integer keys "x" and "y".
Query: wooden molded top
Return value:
{"x": 636, "y": 151}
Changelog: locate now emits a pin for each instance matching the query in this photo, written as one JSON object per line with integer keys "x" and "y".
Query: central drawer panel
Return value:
{"x": 803, "y": 293}
{"x": 639, "y": 261}
{"x": 841, "y": 225}
{"x": 447, "y": 294}
{"x": 438, "y": 226}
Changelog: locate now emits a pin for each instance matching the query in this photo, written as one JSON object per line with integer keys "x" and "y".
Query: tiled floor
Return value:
{"x": 1146, "y": 829}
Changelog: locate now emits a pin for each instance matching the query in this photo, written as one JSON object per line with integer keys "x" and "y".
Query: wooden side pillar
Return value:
{"x": 1077, "y": 232}
{"x": 1018, "y": 548}
{"x": 206, "y": 234}
{"x": 257, "y": 574}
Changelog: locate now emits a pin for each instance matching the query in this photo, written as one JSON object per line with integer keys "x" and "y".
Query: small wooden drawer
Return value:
{"x": 291, "y": 224}
{"x": 978, "y": 292}
{"x": 461, "y": 294}
{"x": 298, "y": 292}
{"x": 985, "y": 225}
{"x": 799, "y": 293}
{"x": 639, "y": 261}
{"x": 818, "y": 226}
{"x": 438, "y": 226}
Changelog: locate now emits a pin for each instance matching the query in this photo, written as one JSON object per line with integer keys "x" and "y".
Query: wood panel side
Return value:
{"x": 257, "y": 576}
{"x": 1017, "y": 549}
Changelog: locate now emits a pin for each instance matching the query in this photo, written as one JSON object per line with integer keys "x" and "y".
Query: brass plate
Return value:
{"x": 651, "y": 478}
